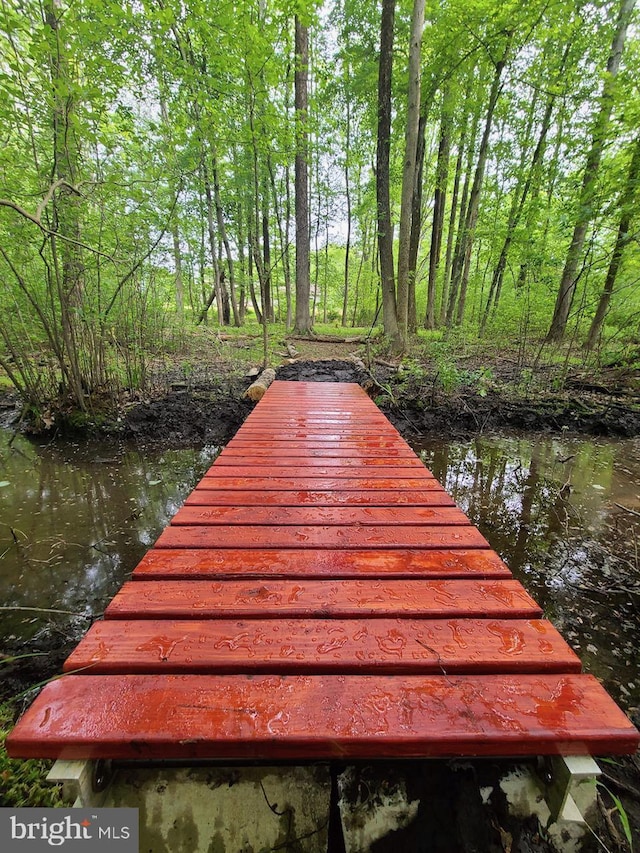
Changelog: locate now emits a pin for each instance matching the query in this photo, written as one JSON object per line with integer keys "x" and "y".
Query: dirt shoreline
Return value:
{"x": 200, "y": 411}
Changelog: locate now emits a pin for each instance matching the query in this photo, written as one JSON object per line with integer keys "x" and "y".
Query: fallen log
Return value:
{"x": 256, "y": 390}
{"x": 328, "y": 339}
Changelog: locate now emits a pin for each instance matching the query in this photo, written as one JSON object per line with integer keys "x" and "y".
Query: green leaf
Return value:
{"x": 4, "y": 483}
{"x": 624, "y": 817}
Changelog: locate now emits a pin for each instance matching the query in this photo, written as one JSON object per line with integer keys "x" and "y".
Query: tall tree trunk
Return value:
{"x": 69, "y": 276}
{"x": 622, "y": 239}
{"x": 520, "y": 197}
{"x": 569, "y": 280}
{"x": 439, "y": 203}
{"x": 303, "y": 262}
{"x": 385, "y": 229}
{"x": 409, "y": 168}
{"x": 222, "y": 231}
{"x": 217, "y": 288}
{"x": 177, "y": 263}
{"x": 416, "y": 221}
{"x": 284, "y": 245}
{"x": 345, "y": 297}
{"x": 266, "y": 256}
{"x": 458, "y": 254}
{"x": 444, "y": 296}
{"x": 474, "y": 199}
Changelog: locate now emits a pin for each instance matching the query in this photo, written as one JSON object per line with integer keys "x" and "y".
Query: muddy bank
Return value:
{"x": 419, "y": 404}
{"x": 190, "y": 417}
{"x": 207, "y": 415}
{"x": 416, "y": 400}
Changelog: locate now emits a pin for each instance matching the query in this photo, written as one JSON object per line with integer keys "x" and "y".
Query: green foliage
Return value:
{"x": 23, "y": 783}
{"x": 622, "y": 816}
{"x": 179, "y": 145}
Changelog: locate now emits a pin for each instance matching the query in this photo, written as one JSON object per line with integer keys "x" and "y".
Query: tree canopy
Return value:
{"x": 167, "y": 164}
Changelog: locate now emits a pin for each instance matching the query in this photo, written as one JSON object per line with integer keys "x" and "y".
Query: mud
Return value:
{"x": 187, "y": 417}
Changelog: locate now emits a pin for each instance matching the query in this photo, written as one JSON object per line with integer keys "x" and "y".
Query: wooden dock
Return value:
{"x": 320, "y": 596}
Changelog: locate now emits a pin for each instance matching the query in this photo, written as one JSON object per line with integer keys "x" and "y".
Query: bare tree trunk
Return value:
{"x": 212, "y": 243}
{"x": 266, "y": 254}
{"x": 439, "y": 203}
{"x": 385, "y": 229}
{"x": 409, "y": 169}
{"x": 622, "y": 239}
{"x": 569, "y": 280}
{"x": 222, "y": 230}
{"x": 474, "y": 199}
{"x": 416, "y": 222}
{"x": 68, "y": 275}
{"x": 303, "y": 264}
{"x": 444, "y": 296}
{"x": 345, "y": 298}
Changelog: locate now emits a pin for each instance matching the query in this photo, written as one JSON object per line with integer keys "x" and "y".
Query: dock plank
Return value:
{"x": 322, "y": 536}
{"x": 432, "y": 496}
{"x": 320, "y": 717}
{"x": 294, "y": 481}
{"x": 390, "y": 646}
{"x": 303, "y": 598}
{"x": 196, "y": 563}
{"x": 343, "y": 516}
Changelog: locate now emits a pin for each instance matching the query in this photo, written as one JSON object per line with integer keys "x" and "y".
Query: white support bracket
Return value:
{"x": 571, "y": 791}
{"x": 84, "y": 783}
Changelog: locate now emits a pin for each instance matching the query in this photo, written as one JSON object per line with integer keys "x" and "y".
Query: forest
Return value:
{"x": 463, "y": 169}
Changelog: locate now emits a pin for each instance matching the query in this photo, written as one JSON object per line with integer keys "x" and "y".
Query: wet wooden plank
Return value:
{"x": 347, "y": 646}
{"x": 303, "y": 717}
{"x": 432, "y": 496}
{"x": 312, "y": 469}
{"x": 317, "y": 436}
{"x": 344, "y": 516}
{"x": 322, "y": 536}
{"x": 269, "y": 598}
{"x": 304, "y": 450}
{"x": 167, "y": 563}
{"x": 319, "y": 465}
{"x": 298, "y": 482}
{"x": 365, "y": 443}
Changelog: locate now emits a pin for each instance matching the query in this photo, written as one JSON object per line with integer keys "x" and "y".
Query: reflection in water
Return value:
{"x": 563, "y": 514}
{"x": 75, "y": 521}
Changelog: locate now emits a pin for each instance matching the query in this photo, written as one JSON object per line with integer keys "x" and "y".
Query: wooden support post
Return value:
{"x": 84, "y": 783}
{"x": 571, "y": 793}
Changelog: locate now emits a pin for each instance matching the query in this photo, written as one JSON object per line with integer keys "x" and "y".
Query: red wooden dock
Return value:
{"x": 320, "y": 596}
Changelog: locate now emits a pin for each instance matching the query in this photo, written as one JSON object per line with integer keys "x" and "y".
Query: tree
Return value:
{"x": 585, "y": 214}
{"x": 303, "y": 262}
{"x": 629, "y": 192}
{"x": 409, "y": 167}
{"x": 385, "y": 227}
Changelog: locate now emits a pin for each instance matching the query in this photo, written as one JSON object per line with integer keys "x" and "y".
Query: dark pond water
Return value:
{"x": 75, "y": 521}
{"x": 563, "y": 512}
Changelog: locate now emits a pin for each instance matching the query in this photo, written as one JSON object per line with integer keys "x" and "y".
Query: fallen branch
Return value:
{"x": 627, "y": 509}
{"x": 328, "y": 339}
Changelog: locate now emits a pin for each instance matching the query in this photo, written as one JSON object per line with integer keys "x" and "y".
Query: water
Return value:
{"x": 74, "y": 522}
{"x": 564, "y": 513}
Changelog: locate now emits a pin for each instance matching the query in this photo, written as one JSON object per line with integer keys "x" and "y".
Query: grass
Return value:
{"x": 23, "y": 782}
